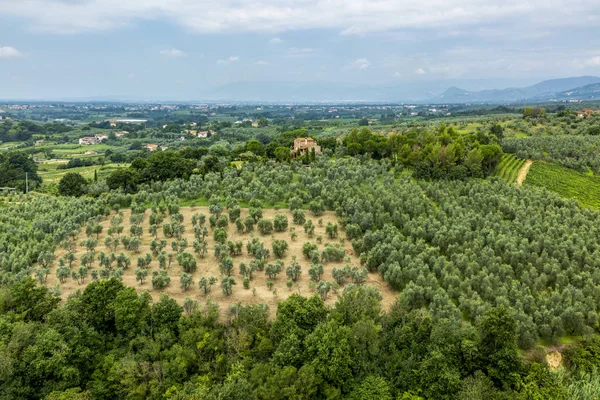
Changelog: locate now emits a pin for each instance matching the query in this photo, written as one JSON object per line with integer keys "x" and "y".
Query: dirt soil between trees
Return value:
{"x": 209, "y": 265}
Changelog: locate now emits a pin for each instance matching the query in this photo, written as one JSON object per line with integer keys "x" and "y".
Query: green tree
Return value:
{"x": 293, "y": 271}
{"x": 141, "y": 274}
{"x": 501, "y": 360}
{"x": 282, "y": 154}
{"x": 72, "y": 184}
{"x": 265, "y": 226}
{"x": 227, "y": 284}
{"x": 205, "y": 283}
{"x": 280, "y": 247}
{"x": 280, "y": 223}
{"x": 186, "y": 281}
{"x": 125, "y": 179}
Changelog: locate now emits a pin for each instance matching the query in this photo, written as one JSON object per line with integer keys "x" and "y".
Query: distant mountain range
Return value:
{"x": 583, "y": 88}
{"x": 587, "y": 92}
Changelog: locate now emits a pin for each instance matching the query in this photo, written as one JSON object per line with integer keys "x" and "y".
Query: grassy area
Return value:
{"x": 51, "y": 173}
{"x": 74, "y": 150}
{"x": 566, "y": 182}
{"x": 509, "y": 167}
{"x": 463, "y": 130}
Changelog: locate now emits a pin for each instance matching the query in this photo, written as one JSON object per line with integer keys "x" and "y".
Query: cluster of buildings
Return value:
{"x": 255, "y": 124}
{"x": 99, "y": 138}
{"x": 154, "y": 147}
{"x": 200, "y": 134}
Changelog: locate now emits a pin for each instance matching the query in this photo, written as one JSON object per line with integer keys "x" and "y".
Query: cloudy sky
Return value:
{"x": 152, "y": 49}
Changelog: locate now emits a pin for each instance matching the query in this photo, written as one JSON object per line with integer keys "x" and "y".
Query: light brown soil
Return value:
{"x": 208, "y": 266}
{"x": 523, "y": 172}
{"x": 554, "y": 360}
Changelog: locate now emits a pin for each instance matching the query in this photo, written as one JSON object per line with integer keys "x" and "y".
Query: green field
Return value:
{"x": 566, "y": 182}
{"x": 51, "y": 173}
{"x": 74, "y": 150}
{"x": 509, "y": 167}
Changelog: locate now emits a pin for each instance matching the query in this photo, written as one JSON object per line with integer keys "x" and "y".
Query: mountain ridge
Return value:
{"x": 542, "y": 90}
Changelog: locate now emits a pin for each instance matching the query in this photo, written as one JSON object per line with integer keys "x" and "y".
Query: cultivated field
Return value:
{"x": 508, "y": 168}
{"x": 258, "y": 291}
{"x": 49, "y": 171}
{"x": 585, "y": 188}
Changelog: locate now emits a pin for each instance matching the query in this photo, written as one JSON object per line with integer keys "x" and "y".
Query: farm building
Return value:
{"x": 88, "y": 140}
{"x": 305, "y": 145}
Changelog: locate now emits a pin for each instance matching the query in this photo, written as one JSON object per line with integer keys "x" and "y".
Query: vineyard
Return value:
{"x": 566, "y": 182}
{"x": 509, "y": 167}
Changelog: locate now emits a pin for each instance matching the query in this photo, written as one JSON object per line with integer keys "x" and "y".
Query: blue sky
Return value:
{"x": 180, "y": 49}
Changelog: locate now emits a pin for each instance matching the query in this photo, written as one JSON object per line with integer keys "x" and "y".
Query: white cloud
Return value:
{"x": 275, "y": 41}
{"x": 593, "y": 62}
{"x": 228, "y": 60}
{"x": 299, "y": 51}
{"x": 359, "y": 64}
{"x": 172, "y": 53}
{"x": 397, "y": 75}
{"x": 420, "y": 71}
{"x": 9, "y": 52}
{"x": 261, "y": 62}
{"x": 349, "y": 17}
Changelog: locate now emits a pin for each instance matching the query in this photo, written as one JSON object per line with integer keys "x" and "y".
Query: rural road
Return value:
{"x": 523, "y": 172}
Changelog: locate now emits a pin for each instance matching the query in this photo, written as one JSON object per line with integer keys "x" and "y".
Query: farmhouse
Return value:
{"x": 88, "y": 140}
{"x": 255, "y": 124}
{"x": 305, "y": 145}
{"x": 151, "y": 147}
{"x": 586, "y": 112}
{"x": 121, "y": 133}
{"x": 101, "y": 137}
{"x": 163, "y": 148}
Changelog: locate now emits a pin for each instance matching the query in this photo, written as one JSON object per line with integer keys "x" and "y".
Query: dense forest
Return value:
{"x": 24, "y": 130}
{"x": 109, "y": 342}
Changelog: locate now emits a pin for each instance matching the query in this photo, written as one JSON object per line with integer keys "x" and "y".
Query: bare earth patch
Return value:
{"x": 209, "y": 266}
{"x": 554, "y": 360}
{"x": 523, "y": 172}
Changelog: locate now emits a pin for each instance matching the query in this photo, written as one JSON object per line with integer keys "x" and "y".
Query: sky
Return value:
{"x": 188, "y": 49}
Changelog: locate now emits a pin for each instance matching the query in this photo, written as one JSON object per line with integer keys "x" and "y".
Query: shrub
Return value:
{"x": 187, "y": 262}
{"x": 280, "y": 223}
{"x": 265, "y": 226}
{"x": 298, "y": 217}
{"x": 161, "y": 279}
{"x": 333, "y": 253}
{"x": 280, "y": 247}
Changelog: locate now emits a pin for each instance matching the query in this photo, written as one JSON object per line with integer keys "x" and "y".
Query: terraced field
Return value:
{"x": 509, "y": 167}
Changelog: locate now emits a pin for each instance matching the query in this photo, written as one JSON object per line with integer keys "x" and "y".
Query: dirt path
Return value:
{"x": 523, "y": 172}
